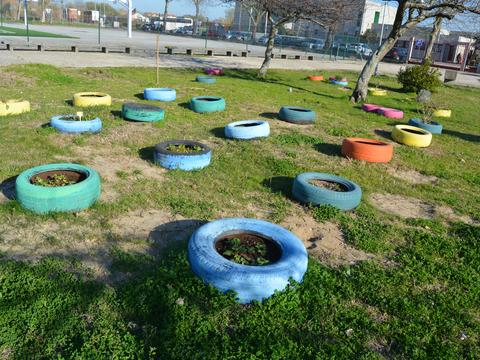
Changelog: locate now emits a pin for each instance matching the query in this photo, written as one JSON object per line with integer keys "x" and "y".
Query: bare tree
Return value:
{"x": 409, "y": 14}
{"x": 255, "y": 13}
{"x": 165, "y": 13}
{"x": 198, "y": 4}
{"x": 437, "y": 24}
{"x": 346, "y": 10}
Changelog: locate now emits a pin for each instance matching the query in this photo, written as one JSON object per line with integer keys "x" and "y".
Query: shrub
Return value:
{"x": 416, "y": 78}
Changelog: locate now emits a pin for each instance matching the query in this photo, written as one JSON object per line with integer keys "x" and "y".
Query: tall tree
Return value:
{"x": 198, "y": 4}
{"x": 437, "y": 24}
{"x": 409, "y": 14}
{"x": 165, "y": 13}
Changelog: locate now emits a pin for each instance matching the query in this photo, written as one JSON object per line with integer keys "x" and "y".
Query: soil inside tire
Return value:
{"x": 248, "y": 125}
{"x": 92, "y": 95}
{"x": 369, "y": 143}
{"x": 208, "y": 99}
{"x": 330, "y": 185}
{"x": 414, "y": 131}
{"x": 73, "y": 177}
{"x": 301, "y": 110}
{"x": 248, "y": 249}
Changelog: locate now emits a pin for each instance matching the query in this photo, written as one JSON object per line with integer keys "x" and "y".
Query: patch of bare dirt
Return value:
{"x": 10, "y": 78}
{"x": 324, "y": 240}
{"x": 412, "y": 176}
{"x": 408, "y": 207}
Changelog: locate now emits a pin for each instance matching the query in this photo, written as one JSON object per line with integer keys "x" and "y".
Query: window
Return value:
{"x": 376, "y": 17}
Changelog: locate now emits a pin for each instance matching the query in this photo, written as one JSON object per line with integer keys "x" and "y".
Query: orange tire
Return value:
{"x": 367, "y": 150}
{"x": 315, "y": 77}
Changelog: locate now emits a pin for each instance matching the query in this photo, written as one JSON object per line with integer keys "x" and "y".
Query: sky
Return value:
{"x": 181, "y": 7}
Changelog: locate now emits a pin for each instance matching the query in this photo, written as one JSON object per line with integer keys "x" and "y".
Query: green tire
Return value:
{"x": 142, "y": 112}
{"x": 70, "y": 198}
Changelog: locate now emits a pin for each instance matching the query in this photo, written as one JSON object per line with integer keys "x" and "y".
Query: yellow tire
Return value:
{"x": 411, "y": 136}
{"x": 85, "y": 99}
{"x": 442, "y": 113}
{"x": 377, "y": 92}
{"x": 14, "y": 107}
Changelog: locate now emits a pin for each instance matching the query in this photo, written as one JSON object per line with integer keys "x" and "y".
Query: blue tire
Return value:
{"x": 142, "y": 112}
{"x": 70, "y": 198}
{"x": 249, "y": 282}
{"x": 182, "y": 161}
{"x": 297, "y": 115}
{"x": 308, "y": 193}
{"x": 340, "y": 83}
{"x": 206, "y": 79}
{"x": 247, "y": 129}
{"x": 433, "y": 127}
{"x": 62, "y": 124}
{"x": 160, "y": 94}
{"x": 207, "y": 104}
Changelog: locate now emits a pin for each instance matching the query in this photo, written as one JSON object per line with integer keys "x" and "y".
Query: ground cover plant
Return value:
{"x": 396, "y": 278}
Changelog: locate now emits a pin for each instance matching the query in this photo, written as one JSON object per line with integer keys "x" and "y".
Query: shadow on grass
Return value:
{"x": 329, "y": 149}
{"x": 279, "y": 184}
{"x": 7, "y": 187}
{"x": 117, "y": 114}
{"x": 69, "y": 102}
{"x": 463, "y": 136}
{"x": 270, "y": 115}
{"x": 218, "y": 132}
{"x": 139, "y": 96}
{"x": 383, "y": 133}
{"x": 146, "y": 153}
{"x": 185, "y": 105}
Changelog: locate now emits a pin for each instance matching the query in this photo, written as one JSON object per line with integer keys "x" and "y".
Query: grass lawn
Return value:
{"x": 10, "y": 31}
{"x": 397, "y": 278}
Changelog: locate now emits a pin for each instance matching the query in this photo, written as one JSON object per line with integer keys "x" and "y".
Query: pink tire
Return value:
{"x": 370, "y": 107}
{"x": 391, "y": 113}
{"x": 213, "y": 71}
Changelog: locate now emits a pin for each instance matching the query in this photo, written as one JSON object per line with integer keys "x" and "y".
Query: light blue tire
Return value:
{"x": 160, "y": 94}
{"x": 207, "y": 104}
{"x": 206, "y": 79}
{"x": 297, "y": 115}
{"x": 340, "y": 83}
{"x": 70, "y": 198}
{"x": 307, "y": 193}
{"x": 186, "y": 162}
{"x": 249, "y": 282}
{"x": 433, "y": 127}
{"x": 75, "y": 126}
{"x": 247, "y": 129}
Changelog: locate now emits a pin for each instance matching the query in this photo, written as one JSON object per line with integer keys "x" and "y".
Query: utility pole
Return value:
{"x": 25, "y": 15}
{"x": 1, "y": 13}
{"x": 381, "y": 31}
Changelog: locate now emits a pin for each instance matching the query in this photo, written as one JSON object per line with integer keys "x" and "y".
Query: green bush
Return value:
{"x": 416, "y": 78}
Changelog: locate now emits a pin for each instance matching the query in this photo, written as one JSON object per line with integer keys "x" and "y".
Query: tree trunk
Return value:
{"x": 330, "y": 36}
{"x": 262, "y": 73}
{"x": 165, "y": 16}
{"x": 254, "y": 31}
{"x": 433, "y": 36}
{"x": 361, "y": 90}
{"x": 43, "y": 11}
{"x": 197, "y": 14}
{"x": 19, "y": 9}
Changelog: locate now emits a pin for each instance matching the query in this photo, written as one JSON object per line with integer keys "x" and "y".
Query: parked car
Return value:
{"x": 397, "y": 54}
{"x": 314, "y": 44}
{"x": 264, "y": 39}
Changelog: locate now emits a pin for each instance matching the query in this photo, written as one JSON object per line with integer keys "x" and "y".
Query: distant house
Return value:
{"x": 72, "y": 14}
{"x": 91, "y": 16}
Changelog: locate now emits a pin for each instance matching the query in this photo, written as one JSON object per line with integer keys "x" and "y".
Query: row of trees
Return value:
{"x": 329, "y": 14}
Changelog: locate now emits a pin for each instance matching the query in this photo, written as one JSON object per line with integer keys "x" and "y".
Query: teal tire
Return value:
{"x": 207, "y": 104}
{"x": 297, "y": 115}
{"x": 70, "y": 198}
{"x": 206, "y": 79}
{"x": 142, "y": 112}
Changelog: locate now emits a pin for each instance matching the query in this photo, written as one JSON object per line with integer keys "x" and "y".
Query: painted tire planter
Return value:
{"x": 433, "y": 127}
{"x": 338, "y": 82}
{"x": 14, "y": 107}
{"x": 70, "y": 198}
{"x": 86, "y": 99}
{"x": 182, "y": 161}
{"x": 307, "y": 193}
{"x": 206, "y": 79}
{"x": 377, "y": 92}
{"x": 370, "y": 107}
{"x": 249, "y": 282}
{"x": 411, "y": 136}
{"x": 213, "y": 71}
{"x": 316, "y": 78}
{"x": 160, "y": 94}
{"x": 142, "y": 112}
{"x": 367, "y": 150}
{"x": 207, "y": 104}
{"x": 442, "y": 113}
{"x": 390, "y": 113}
{"x": 297, "y": 115}
{"x": 247, "y": 129}
{"x": 64, "y": 125}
